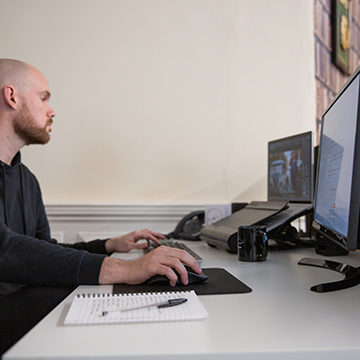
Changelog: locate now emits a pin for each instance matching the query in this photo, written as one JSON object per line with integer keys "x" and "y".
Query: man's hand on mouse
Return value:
{"x": 160, "y": 261}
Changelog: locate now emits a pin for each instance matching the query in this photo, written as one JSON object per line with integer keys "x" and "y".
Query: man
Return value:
{"x": 28, "y": 255}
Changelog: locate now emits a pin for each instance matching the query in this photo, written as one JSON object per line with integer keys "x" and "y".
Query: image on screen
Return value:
{"x": 290, "y": 168}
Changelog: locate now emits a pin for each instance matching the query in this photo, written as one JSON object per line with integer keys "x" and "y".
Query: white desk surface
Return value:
{"x": 280, "y": 319}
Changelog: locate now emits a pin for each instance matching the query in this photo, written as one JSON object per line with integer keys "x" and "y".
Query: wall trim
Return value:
{"x": 71, "y": 223}
{"x": 92, "y": 212}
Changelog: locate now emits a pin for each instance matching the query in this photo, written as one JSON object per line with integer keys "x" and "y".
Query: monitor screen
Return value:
{"x": 336, "y": 210}
{"x": 290, "y": 168}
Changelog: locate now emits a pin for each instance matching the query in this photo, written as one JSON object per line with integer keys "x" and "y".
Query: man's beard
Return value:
{"x": 26, "y": 128}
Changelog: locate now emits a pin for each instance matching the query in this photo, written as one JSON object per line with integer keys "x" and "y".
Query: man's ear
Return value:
{"x": 11, "y": 96}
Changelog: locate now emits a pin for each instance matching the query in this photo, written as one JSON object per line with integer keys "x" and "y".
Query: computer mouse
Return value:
{"x": 194, "y": 278}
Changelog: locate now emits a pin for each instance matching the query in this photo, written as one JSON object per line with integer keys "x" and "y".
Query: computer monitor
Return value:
{"x": 337, "y": 202}
{"x": 290, "y": 168}
{"x": 337, "y": 190}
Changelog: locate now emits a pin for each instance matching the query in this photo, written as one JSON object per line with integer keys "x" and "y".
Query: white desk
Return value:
{"x": 280, "y": 319}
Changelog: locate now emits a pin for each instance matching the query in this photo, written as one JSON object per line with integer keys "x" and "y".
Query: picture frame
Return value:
{"x": 341, "y": 35}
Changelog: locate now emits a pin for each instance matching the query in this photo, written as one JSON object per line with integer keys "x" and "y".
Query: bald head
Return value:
{"x": 16, "y": 73}
{"x": 25, "y": 113}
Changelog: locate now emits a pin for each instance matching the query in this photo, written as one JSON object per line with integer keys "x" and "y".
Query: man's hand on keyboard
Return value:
{"x": 162, "y": 261}
{"x": 129, "y": 241}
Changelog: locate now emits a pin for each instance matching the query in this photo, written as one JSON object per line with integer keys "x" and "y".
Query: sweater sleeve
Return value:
{"x": 95, "y": 246}
{"x": 30, "y": 261}
{"x": 28, "y": 255}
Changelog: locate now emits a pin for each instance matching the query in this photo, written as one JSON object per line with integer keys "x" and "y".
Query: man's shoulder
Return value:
{"x": 27, "y": 172}
{"x": 28, "y": 177}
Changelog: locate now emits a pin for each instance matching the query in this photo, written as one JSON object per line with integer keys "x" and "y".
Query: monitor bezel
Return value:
{"x": 351, "y": 241}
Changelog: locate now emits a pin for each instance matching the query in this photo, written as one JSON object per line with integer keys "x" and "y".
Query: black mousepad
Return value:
{"x": 220, "y": 282}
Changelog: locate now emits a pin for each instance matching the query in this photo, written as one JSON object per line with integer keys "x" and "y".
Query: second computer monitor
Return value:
{"x": 290, "y": 168}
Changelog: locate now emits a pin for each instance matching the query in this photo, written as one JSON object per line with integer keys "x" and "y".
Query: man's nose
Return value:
{"x": 51, "y": 113}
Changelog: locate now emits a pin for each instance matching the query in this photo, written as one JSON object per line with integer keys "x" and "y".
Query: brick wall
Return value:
{"x": 328, "y": 78}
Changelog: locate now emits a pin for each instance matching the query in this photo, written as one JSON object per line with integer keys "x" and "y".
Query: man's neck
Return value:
{"x": 8, "y": 147}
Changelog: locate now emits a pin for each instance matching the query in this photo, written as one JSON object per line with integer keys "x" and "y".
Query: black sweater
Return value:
{"x": 28, "y": 255}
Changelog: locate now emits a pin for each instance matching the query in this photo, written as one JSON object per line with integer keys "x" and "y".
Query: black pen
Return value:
{"x": 165, "y": 304}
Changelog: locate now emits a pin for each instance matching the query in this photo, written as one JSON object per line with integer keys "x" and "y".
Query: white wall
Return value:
{"x": 164, "y": 101}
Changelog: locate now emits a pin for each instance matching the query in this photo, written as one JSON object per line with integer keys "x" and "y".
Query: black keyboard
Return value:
{"x": 177, "y": 245}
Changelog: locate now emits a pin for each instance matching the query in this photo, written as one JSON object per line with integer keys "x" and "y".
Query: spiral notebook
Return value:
{"x": 99, "y": 309}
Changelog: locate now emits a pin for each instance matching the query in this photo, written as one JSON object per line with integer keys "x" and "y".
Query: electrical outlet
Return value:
{"x": 216, "y": 212}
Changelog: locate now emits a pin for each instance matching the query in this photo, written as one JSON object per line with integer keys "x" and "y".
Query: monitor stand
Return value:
{"x": 327, "y": 247}
{"x": 352, "y": 274}
{"x": 286, "y": 245}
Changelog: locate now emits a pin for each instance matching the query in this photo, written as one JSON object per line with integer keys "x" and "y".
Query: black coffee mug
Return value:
{"x": 252, "y": 243}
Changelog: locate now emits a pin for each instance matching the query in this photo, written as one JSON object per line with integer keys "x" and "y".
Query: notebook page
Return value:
{"x": 88, "y": 309}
